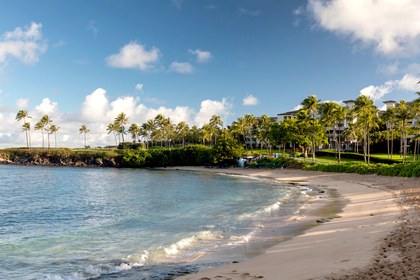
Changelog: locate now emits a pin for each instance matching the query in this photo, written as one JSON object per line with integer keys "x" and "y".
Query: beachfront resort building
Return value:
{"x": 350, "y": 144}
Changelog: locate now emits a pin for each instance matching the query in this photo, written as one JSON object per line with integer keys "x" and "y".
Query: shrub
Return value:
{"x": 158, "y": 157}
{"x": 279, "y": 162}
{"x": 131, "y": 158}
{"x": 402, "y": 170}
{"x": 131, "y": 146}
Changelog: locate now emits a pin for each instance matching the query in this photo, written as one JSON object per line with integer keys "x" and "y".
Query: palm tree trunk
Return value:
{"x": 364, "y": 145}
{"x": 313, "y": 149}
{"x": 404, "y": 149}
{"x": 313, "y": 138}
{"x": 368, "y": 149}
{"x": 55, "y": 140}
{"x": 29, "y": 134}
{"x": 42, "y": 131}
{"x": 392, "y": 143}
{"x": 48, "y": 137}
{"x": 339, "y": 148}
{"x": 27, "y": 139}
{"x": 336, "y": 148}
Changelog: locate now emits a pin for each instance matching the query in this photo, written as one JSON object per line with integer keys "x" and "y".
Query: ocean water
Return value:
{"x": 86, "y": 223}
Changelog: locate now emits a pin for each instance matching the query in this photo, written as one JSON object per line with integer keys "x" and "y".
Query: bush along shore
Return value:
{"x": 191, "y": 155}
{"x": 59, "y": 157}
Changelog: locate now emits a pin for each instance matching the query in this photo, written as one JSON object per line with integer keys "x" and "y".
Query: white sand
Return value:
{"x": 337, "y": 246}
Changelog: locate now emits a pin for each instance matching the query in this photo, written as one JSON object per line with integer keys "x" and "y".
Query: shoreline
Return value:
{"x": 332, "y": 248}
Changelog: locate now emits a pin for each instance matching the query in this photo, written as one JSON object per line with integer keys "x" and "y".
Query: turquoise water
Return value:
{"x": 77, "y": 223}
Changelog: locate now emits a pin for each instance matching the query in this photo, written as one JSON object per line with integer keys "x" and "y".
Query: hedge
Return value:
{"x": 192, "y": 155}
{"x": 400, "y": 169}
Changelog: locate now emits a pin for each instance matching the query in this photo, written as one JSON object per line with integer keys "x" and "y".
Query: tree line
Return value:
{"x": 305, "y": 132}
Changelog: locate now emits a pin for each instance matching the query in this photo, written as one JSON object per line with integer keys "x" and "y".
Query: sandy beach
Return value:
{"x": 376, "y": 235}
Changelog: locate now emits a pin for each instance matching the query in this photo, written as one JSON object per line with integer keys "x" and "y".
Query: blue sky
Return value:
{"x": 85, "y": 61}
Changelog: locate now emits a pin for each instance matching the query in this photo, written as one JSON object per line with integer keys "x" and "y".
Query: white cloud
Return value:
{"x": 250, "y": 100}
{"x": 389, "y": 68}
{"x": 139, "y": 87}
{"x": 24, "y": 44}
{"x": 247, "y": 12}
{"x": 339, "y": 102}
{"x": 181, "y": 67}
{"x": 201, "y": 56}
{"x": 126, "y": 104}
{"x": 177, "y": 114}
{"x": 210, "y": 107}
{"x": 407, "y": 83}
{"x": 298, "y": 107}
{"x": 47, "y": 106}
{"x": 95, "y": 106}
{"x": 22, "y": 103}
{"x": 391, "y": 26}
{"x": 136, "y": 56}
{"x": 32, "y": 32}
{"x": 377, "y": 92}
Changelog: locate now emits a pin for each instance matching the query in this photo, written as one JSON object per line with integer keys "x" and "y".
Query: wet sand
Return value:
{"x": 376, "y": 236}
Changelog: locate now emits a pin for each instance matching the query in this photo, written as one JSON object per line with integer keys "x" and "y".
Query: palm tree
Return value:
{"x": 216, "y": 125}
{"x": 182, "y": 131}
{"x": 168, "y": 129}
{"x": 332, "y": 115}
{"x": 311, "y": 104}
{"x": 263, "y": 128}
{"x": 84, "y": 129}
{"x": 134, "y": 130}
{"x": 389, "y": 118}
{"x": 193, "y": 134}
{"x": 149, "y": 130}
{"x": 250, "y": 121}
{"x": 238, "y": 128}
{"x": 53, "y": 130}
{"x": 27, "y": 127}
{"x": 23, "y": 115}
{"x": 278, "y": 135}
{"x": 158, "y": 133}
{"x": 47, "y": 121}
{"x": 120, "y": 121}
{"x": 328, "y": 117}
{"x": 112, "y": 128}
{"x": 41, "y": 125}
{"x": 205, "y": 133}
{"x": 403, "y": 113}
{"x": 367, "y": 117}
{"x": 416, "y": 138}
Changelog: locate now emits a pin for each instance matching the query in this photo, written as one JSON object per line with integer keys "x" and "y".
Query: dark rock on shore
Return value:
{"x": 58, "y": 161}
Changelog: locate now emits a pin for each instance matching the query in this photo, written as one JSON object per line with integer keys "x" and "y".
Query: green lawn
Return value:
{"x": 333, "y": 159}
